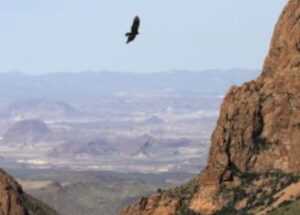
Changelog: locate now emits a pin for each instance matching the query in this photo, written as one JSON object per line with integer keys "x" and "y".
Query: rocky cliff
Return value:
{"x": 13, "y": 201}
{"x": 255, "y": 148}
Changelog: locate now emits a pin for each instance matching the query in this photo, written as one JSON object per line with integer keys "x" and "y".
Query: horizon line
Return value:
{"x": 127, "y": 72}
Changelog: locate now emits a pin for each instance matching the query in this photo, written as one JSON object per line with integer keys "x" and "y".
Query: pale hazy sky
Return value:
{"x": 39, "y": 36}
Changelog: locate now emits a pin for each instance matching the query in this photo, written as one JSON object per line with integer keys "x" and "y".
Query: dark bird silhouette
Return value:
{"x": 134, "y": 30}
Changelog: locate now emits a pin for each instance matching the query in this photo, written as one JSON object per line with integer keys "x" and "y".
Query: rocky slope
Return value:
{"x": 255, "y": 153}
{"x": 13, "y": 201}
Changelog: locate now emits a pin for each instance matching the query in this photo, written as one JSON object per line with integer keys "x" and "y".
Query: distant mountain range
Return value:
{"x": 90, "y": 85}
{"x": 38, "y": 108}
{"x": 98, "y": 147}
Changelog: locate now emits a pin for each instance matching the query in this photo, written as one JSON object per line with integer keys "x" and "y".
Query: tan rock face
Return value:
{"x": 10, "y": 196}
{"x": 153, "y": 205}
{"x": 13, "y": 201}
{"x": 259, "y": 125}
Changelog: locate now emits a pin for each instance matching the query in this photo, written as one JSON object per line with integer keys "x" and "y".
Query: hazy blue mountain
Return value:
{"x": 85, "y": 85}
{"x": 26, "y": 131}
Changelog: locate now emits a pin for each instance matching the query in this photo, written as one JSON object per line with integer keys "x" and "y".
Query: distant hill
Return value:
{"x": 96, "y": 147}
{"x": 26, "y": 131}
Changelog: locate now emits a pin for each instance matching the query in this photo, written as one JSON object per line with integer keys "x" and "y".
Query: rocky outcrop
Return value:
{"x": 13, "y": 201}
{"x": 257, "y": 137}
{"x": 10, "y": 196}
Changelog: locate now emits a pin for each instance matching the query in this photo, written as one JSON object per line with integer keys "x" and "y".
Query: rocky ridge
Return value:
{"x": 13, "y": 201}
{"x": 255, "y": 153}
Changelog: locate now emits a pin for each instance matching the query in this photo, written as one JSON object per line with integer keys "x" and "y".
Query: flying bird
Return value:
{"x": 134, "y": 30}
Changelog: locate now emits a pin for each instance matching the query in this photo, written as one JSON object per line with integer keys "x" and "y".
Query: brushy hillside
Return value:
{"x": 287, "y": 208}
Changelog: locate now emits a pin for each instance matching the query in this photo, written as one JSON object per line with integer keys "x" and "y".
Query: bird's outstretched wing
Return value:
{"x": 135, "y": 25}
